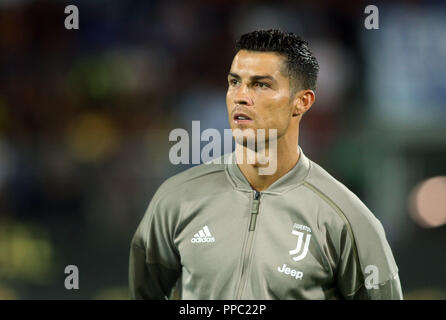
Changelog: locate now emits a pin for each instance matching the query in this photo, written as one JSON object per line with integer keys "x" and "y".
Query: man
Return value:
{"x": 225, "y": 231}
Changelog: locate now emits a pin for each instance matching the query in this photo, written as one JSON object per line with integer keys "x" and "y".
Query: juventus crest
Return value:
{"x": 301, "y": 250}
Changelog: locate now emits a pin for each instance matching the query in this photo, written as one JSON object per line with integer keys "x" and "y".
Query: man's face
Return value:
{"x": 259, "y": 95}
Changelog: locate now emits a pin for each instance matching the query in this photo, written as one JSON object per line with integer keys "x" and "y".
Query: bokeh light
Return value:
{"x": 26, "y": 253}
{"x": 91, "y": 137}
{"x": 427, "y": 202}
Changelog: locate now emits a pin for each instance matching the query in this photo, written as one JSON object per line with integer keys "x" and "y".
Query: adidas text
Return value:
{"x": 198, "y": 240}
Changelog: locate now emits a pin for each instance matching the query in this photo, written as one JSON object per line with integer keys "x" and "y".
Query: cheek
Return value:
{"x": 228, "y": 100}
{"x": 277, "y": 111}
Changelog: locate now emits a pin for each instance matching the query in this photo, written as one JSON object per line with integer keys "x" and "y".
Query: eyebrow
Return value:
{"x": 253, "y": 78}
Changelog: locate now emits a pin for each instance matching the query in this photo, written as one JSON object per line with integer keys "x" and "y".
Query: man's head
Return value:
{"x": 299, "y": 65}
{"x": 271, "y": 81}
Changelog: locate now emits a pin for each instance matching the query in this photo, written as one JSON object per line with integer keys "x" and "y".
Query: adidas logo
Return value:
{"x": 204, "y": 235}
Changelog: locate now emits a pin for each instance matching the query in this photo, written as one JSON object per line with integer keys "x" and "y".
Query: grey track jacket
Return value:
{"x": 209, "y": 235}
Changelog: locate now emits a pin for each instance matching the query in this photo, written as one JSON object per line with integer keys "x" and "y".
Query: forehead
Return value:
{"x": 247, "y": 63}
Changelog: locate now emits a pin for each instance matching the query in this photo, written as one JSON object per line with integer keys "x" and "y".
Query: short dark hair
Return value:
{"x": 301, "y": 66}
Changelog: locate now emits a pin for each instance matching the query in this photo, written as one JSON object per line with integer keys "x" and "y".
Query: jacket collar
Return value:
{"x": 291, "y": 179}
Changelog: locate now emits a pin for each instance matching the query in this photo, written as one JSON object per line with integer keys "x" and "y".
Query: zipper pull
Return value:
{"x": 254, "y": 211}
{"x": 255, "y": 203}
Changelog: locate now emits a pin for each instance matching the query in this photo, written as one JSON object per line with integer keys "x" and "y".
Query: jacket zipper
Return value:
{"x": 248, "y": 247}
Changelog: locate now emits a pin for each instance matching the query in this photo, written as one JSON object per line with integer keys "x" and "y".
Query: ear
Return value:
{"x": 303, "y": 101}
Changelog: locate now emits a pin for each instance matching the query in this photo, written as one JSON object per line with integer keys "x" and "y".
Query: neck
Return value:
{"x": 287, "y": 156}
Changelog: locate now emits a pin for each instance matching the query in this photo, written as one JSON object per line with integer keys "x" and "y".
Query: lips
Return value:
{"x": 241, "y": 117}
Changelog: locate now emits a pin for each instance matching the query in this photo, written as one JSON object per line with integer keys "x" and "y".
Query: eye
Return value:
{"x": 233, "y": 82}
{"x": 261, "y": 85}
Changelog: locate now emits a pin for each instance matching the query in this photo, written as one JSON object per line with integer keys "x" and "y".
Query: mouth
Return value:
{"x": 241, "y": 118}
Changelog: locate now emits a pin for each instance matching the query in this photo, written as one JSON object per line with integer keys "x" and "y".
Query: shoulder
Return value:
{"x": 366, "y": 233}
{"x": 192, "y": 176}
{"x": 343, "y": 201}
{"x": 165, "y": 206}
{"x": 199, "y": 179}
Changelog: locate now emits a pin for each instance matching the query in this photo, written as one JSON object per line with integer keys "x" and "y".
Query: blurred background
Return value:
{"x": 85, "y": 117}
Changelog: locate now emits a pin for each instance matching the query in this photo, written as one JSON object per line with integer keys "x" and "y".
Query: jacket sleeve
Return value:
{"x": 366, "y": 268}
{"x": 154, "y": 264}
{"x": 389, "y": 290}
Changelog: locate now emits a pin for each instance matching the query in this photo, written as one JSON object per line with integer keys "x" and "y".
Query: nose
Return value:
{"x": 242, "y": 97}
